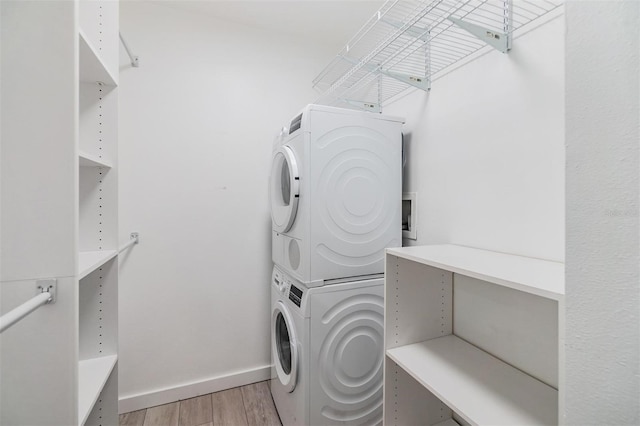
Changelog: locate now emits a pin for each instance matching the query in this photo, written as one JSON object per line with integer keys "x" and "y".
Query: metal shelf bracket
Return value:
{"x": 366, "y": 106}
{"x": 421, "y": 82}
{"x": 499, "y": 41}
{"x": 418, "y": 33}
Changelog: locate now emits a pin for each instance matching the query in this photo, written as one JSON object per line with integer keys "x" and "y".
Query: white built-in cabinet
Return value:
{"x": 60, "y": 211}
{"x": 472, "y": 337}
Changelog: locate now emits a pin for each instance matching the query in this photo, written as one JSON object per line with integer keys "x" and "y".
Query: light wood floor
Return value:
{"x": 249, "y": 405}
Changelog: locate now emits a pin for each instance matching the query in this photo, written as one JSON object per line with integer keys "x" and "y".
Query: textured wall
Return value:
{"x": 602, "y": 258}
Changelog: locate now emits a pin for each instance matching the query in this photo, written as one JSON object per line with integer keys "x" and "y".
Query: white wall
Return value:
{"x": 603, "y": 258}
{"x": 197, "y": 121}
{"x": 486, "y": 153}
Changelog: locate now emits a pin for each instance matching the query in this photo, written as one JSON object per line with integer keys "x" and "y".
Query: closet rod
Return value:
{"x": 134, "y": 58}
{"x": 45, "y": 296}
{"x": 135, "y": 239}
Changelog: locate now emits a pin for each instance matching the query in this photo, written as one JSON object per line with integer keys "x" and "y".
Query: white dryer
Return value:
{"x": 336, "y": 193}
{"x": 327, "y": 352}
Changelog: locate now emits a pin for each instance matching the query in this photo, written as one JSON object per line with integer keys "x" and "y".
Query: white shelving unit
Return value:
{"x": 412, "y": 43}
{"x": 451, "y": 357}
{"x": 60, "y": 219}
{"x": 98, "y": 212}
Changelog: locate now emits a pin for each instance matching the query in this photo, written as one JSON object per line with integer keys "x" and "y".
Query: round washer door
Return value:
{"x": 284, "y": 346}
{"x": 284, "y": 189}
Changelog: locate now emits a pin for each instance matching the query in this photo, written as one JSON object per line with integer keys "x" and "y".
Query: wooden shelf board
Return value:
{"x": 92, "y": 69}
{"x": 540, "y": 277}
{"x": 92, "y": 376}
{"x": 88, "y": 160}
{"x": 479, "y": 387}
{"x": 89, "y": 261}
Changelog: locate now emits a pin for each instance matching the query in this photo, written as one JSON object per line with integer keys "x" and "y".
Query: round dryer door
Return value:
{"x": 284, "y": 346}
{"x": 284, "y": 189}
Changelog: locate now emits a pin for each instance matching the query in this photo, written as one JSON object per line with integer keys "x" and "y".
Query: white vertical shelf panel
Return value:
{"x": 98, "y": 211}
{"x": 407, "y": 402}
{"x": 98, "y": 121}
{"x": 411, "y": 300}
{"x": 482, "y": 389}
{"x": 561, "y": 362}
{"x": 418, "y": 306}
{"x": 98, "y": 297}
{"x": 98, "y": 199}
{"x": 92, "y": 376}
{"x": 37, "y": 169}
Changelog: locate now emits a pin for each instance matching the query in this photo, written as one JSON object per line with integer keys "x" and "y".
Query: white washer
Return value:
{"x": 327, "y": 352}
{"x": 336, "y": 194}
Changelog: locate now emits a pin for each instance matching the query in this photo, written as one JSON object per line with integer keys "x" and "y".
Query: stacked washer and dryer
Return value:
{"x": 336, "y": 191}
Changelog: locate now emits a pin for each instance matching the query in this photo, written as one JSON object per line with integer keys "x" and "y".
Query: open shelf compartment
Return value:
{"x": 92, "y": 376}
{"x": 477, "y": 386}
{"x": 472, "y": 335}
{"x": 92, "y": 68}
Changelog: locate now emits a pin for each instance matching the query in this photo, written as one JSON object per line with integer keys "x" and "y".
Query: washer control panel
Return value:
{"x": 286, "y": 287}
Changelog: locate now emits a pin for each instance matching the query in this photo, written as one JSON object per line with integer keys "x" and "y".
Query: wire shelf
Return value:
{"x": 410, "y": 43}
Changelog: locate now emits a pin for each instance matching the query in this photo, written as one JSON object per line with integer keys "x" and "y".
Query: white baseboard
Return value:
{"x": 128, "y": 403}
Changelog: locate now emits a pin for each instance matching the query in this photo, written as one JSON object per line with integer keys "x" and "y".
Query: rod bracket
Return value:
{"x": 47, "y": 286}
{"x": 135, "y": 236}
{"x": 135, "y": 60}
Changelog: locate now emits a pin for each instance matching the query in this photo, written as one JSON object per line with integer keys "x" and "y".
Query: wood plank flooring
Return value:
{"x": 249, "y": 405}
